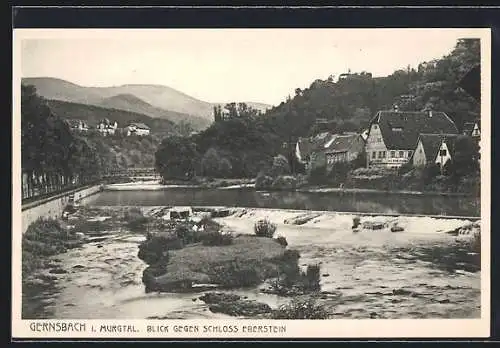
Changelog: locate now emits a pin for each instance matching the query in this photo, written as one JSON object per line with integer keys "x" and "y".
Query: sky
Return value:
{"x": 224, "y": 65}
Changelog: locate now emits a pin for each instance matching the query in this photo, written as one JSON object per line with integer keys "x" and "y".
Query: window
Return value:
{"x": 383, "y": 154}
{"x": 410, "y": 153}
{"x": 393, "y": 154}
{"x": 442, "y": 153}
{"x": 401, "y": 154}
{"x": 374, "y": 154}
{"x": 375, "y": 126}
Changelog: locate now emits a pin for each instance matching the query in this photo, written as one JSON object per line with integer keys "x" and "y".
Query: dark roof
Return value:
{"x": 139, "y": 125}
{"x": 432, "y": 143}
{"x": 327, "y": 142}
{"x": 341, "y": 143}
{"x": 411, "y": 124}
{"x": 76, "y": 123}
{"x": 468, "y": 127}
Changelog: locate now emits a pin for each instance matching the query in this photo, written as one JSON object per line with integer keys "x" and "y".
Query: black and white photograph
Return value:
{"x": 250, "y": 178}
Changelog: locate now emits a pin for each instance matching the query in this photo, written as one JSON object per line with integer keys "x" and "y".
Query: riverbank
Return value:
{"x": 155, "y": 185}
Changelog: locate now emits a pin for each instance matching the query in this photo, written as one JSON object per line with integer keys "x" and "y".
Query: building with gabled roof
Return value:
{"x": 138, "y": 129}
{"x": 393, "y": 135}
{"x": 329, "y": 149}
{"x": 434, "y": 148}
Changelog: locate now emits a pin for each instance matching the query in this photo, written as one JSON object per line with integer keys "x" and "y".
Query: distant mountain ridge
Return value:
{"x": 152, "y": 100}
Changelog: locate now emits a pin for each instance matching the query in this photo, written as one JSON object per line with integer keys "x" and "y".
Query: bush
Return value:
{"x": 301, "y": 309}
{"x": 282, "y": 241}
{"x": 263, "y": 181}
{"x": 338, "y": 174}
{"x": 280, "y": 166}
{"x": 475, "y": 243}
{"x": 318, "y": 175}
{"x": 284, "y": 183}
{"x": 238, "y": 273}
{"x": 135, "y": 219}
{"x": 430, "y": 171}
{"x": 217, "y": 238}
{"x": 45, "y": 238}
{"x": 265, "y": 228}
{"x": 186, "y": 233}
{"x": 311, "y": 278}
{"x": 405, "y": 168}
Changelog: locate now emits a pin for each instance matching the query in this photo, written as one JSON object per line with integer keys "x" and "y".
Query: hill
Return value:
{"x": 132, "y": 103}
{"x": 93, "y": 114}
{"x": 173, "y": 104}
{"x": 351, "y": 101}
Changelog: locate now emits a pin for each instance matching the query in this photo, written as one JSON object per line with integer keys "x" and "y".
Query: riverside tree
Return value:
{"x": 176, "y": 158}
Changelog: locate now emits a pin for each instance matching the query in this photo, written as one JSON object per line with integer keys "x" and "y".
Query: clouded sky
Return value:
{"x": 260, "y": 65}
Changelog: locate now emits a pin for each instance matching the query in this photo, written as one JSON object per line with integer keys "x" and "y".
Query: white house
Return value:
{"x": 434, "y": 148}
{"x": 393, "y": 135}
{"x": 138, "y": 129}
{"x": 106, "y": 127}
{"x": 472, "y": 129}
{"x": 78, "y": 125}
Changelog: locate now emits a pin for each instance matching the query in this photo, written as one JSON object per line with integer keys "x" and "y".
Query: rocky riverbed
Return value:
{"x": 430, "y": 269}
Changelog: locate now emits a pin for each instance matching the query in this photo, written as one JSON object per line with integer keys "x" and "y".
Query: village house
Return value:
{"x": 472, "y": 129}
{"x": 106, "y": 127}
{"x": 78, "y": 125}
{"x": 393, "y": 135}
{"x": 329, "y": 149}
{"x": 138, "y": 129}
{"x": 434, "y": 148}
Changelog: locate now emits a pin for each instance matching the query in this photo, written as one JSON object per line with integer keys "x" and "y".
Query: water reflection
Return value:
{"x": 332, "y": 201}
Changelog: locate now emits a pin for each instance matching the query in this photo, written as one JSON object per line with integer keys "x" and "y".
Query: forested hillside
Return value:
{"x": 241, "y": 143}
{"x": 50, "y": 151}
{"x": 352, "y": 100}
{"x": 93, "y": 114}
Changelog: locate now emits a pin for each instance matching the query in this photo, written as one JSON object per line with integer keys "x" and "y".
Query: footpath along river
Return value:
{"x": 421, "y": 272}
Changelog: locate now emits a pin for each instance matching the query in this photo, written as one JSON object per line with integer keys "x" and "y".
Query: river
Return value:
{"x": 367, "y": 202}
{"x": 419, "y": 273}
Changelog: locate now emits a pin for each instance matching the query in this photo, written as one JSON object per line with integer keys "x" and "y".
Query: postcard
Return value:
{"x": 251, "y": 183}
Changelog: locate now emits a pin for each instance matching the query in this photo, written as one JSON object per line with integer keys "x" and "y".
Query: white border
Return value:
{"x": 338, "y": 328}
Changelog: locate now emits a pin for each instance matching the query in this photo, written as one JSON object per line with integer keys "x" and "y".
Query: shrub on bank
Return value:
{"x": 238, "y": 273}
{"x": 45, "y": 237}
{"x": 301, "y": 309}
{"x": 263, "y": 181}
{"x": 265, "y": 228}
{"x": 284, "y": 182}
{"x": 216, "y": 238}
{"x": 186, "y": 233}
{"x": 311, "y": 278}
{"x": 282, "y": 241}
{"x": 135, "y": 220}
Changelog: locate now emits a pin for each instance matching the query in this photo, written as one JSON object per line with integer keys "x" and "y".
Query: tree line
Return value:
{"x": 243, "y": 142}
{"x": 54, "y": 157}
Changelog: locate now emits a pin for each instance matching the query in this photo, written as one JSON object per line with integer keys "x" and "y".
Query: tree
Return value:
{"x": 176, "y": 158}
{"x": 280, "y": 166}
{"x": 211, "y": 163}
{"x": 184, "y": 128}
{"x": 465, "y": 159}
